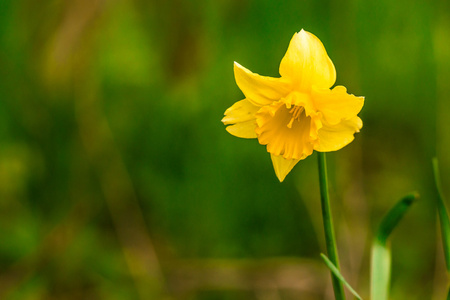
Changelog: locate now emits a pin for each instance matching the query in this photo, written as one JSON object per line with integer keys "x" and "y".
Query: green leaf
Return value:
{"x": 381, "y": 252}
{"x": 338, "y": 274}
{"x": 443, "y": 215}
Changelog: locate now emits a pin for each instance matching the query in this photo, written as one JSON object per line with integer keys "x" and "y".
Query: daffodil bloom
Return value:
{"x": 299, "y": 112}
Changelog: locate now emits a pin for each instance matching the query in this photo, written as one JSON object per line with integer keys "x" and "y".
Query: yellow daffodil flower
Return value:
{"x": 298, "y": 112}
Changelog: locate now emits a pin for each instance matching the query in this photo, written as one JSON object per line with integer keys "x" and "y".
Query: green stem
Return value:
{"x": 328, "y": 225}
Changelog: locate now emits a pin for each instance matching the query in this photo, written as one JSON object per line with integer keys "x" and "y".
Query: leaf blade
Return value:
{"x": 381, "y": 252}
{"x": 339, "y": 276}
{"x": 443, "y": 215}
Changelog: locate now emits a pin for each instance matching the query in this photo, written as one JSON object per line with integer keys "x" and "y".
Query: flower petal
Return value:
{"x": 241, "y": 117}
{"x": 282, "y": 166}
{"x": 335, "y": 137}
{"x": 306, "y": 62}
{"x": 336, "y": 104}
{"x": 260, "y": 90}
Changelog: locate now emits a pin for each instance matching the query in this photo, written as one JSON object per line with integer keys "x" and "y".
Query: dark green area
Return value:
{"x": 111, "y": 147}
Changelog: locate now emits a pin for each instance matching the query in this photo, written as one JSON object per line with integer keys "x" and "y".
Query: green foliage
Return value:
{"x": 443, "y": 217}
{"x": 338, "y": 274}
{"x": 381, "y": 251}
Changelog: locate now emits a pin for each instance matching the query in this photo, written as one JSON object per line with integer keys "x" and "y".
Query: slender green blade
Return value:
{"x": 338, "y": 274}
{"x": 394, "y": 216}
{"x": 381, "y": 252}
{"x": 443, "y": 215}
{"x": 381, "y": 271}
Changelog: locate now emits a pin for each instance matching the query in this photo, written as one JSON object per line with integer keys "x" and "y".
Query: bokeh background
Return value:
{"x": 118, "y": 180}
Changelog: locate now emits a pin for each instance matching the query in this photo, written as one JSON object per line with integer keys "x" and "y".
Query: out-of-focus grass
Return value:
{"x": 111, "y": 147}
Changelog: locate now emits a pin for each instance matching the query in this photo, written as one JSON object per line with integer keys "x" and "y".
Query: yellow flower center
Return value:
{"x": 289, "y": 127}
{"x": 295, "y": 112}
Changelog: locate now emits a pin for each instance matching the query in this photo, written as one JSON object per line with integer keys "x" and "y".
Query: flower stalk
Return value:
{"x": 328, "y": 225}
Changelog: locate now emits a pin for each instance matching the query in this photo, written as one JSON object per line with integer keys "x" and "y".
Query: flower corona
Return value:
{"x": 297, "y": 113}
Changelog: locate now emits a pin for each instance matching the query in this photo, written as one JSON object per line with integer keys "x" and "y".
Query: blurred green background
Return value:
{"x": 118, "y": 180}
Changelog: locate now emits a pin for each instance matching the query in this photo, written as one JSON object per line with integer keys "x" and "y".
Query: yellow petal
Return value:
{"x": 306, "y": 62}
{"x": 336, "y": 104}
{"x": 335, "y": 137}
{"x": 241, "y": 117}
{"x": 282, "y": 166}
{"x": 260, "y": 90}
